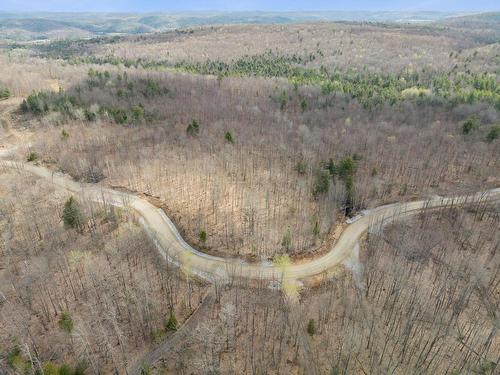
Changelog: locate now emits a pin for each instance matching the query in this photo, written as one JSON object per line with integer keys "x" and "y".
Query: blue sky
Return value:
{"x": 228, "y": 5}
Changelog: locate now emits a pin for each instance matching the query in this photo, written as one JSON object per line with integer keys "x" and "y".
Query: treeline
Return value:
{"x": 123, "y": 98}
{"x": 80, "y": 103}
{"x": 267, "y": 64}
{"x": 68, "y": 48}
{"x": 369, "y": 88}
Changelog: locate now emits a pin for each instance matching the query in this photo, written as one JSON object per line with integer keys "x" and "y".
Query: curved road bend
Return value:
{"x": 175, "y": 249}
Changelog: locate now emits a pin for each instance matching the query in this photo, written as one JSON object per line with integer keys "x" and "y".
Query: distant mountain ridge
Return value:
{"x": 30, "y": 26}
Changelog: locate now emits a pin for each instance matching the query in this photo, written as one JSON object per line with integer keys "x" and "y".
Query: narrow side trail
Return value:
{"x": 171, "y": 343}
{"x": 10, "y": 139}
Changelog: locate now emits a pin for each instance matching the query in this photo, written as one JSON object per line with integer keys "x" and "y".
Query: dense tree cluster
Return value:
{"x": 437, "y": 87}
{"x": 80, "y": 102}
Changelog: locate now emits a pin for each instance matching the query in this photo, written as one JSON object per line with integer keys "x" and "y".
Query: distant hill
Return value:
{"x": 485, "y": 26}
{"x": 488, "y": 19}
{"x": 33, "y": 26}
{"x": 30, "y": 26}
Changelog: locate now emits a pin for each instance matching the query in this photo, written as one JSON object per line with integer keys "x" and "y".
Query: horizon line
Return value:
{"x": 248, "y": 11}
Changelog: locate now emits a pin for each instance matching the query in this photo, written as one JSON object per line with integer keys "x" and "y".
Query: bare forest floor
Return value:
{"x": 247, "y": 198}
{"x": 433, "y": 311}
{"x": 107, "y": 276}
{"x": 253, "y": 196}
{"x": 257, "y": 141}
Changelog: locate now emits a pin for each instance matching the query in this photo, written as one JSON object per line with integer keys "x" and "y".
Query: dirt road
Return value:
{"x": 175, "y": 249}
{"x": 171, "y": 245}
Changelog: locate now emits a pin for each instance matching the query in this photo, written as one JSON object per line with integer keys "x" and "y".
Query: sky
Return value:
{"x": 236, "y": 5}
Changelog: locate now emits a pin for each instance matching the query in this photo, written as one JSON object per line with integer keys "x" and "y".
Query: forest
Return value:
{"x": 226, "y": 144}
{"x": 262, "y": 145}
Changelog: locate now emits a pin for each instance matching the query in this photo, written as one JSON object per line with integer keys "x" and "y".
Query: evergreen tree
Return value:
{"x": 171, "y": 323}
{"x": 65, "y": 370}
{"x": 311, "y": 327}
{"x": 494, "y": 133}
{"x": 4, "y": 93}
{"x": 203, "y": 236}
{"x": 347, "y": 167}
{"x": 286, "y": 242}
{"x": 316, "y": 229}
{"x": 193, "y": 128}
{"x": 349, "y": 191}
{"x": 469, "y": 125}
{"x": 49, "y": 368}
{"x": 322, "y": 183}
{"x": 301, "y": 167}
{"x": 66, "y": 322}
{"x": 229, "y": 137}
{"x": 346, "y": 171}
{"x": 72, "y": 214}
{"x": 32, "y": 156}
